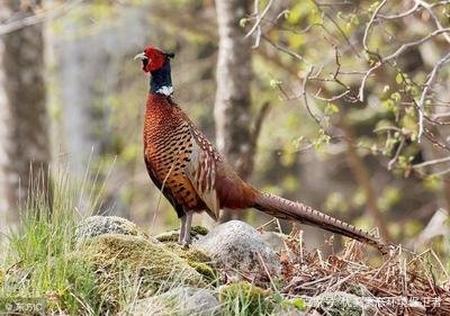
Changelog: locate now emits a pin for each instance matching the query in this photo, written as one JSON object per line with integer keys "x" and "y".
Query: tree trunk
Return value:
{"x": 232, "y": 105}
{"x": 362, "y": 177}
{"x": 24, "y": 141}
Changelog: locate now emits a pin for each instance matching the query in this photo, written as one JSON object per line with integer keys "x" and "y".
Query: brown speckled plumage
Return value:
{"x": 184, "y": 164}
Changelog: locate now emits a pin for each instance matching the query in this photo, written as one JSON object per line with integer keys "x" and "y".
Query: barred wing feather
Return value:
{"x": 201, "y": 171}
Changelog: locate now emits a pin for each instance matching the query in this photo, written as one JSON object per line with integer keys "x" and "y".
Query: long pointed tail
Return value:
{"x": 285, "y": 209}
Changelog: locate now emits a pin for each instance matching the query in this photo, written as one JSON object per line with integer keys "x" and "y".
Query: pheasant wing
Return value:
{"x": 201, "y": 171}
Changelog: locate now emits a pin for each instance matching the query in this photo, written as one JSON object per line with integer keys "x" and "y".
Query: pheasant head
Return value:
{"x": 157, "y": 62}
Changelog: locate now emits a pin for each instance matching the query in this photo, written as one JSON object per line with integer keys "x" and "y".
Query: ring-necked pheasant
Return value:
{"x": 194, "y": 177}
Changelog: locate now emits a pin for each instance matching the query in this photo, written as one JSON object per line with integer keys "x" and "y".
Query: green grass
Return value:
{"x": 38, "y": 263}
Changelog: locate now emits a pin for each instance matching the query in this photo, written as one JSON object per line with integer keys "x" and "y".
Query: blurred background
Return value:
{"x": 343, "y": 105}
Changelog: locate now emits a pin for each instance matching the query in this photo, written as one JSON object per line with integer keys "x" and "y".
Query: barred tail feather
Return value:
{"x": 285, "y": 209}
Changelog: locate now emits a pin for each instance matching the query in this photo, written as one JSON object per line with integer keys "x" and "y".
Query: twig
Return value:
{"x": 417, "y": 6}
{"x": 257, "y": 25}
{"x": 397, "y": 154}
{"x": 400, "y": 15}
{"x": 364, "y": 80}
{"x": 259, "y": 120}
{"x": 332, "y": 99}
{"x": 340, "y": 30}
{"x": 282, "y": 48}
{"x": 38, "y": 18}
{"x": 439, "y": 26}
{"x": 441, "y": 173}
{"x": 305, "y": 96}
{"x": 428, "y": 86}
{"x": 416, "y": 43}
{"x": 395, "y": 54}
{"x": 370, "y": 24}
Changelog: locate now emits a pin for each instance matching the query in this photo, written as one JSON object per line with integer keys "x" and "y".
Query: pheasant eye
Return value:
{"x": 145, "y": 62}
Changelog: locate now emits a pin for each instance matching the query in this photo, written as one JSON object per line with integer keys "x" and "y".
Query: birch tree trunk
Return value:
{"x": 232, "y": 105}
{"x": 24, "y": 141}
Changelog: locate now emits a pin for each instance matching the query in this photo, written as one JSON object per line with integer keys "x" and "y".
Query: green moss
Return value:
{"x": 295, "y": 303}
{"x": 172, "y": 236}
{"x": 209, "y": 273}
{"x": 197, "y": 259}
{"x": 199, "y": 230}
{"x": 247, "y": 298}
{"x": 135, "y": 266}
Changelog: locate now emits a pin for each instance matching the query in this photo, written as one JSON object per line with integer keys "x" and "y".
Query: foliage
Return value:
{"x": 243, "y": 298}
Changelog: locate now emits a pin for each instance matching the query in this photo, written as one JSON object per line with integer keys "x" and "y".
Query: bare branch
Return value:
{"x": 39, "y": 18}
{"x": 364, "y": 80}
{"x": 259, "y": 121}
{"x": 257, "y": 26}
{"x": 439, "y": 26}
{"x": 305, "y": 96}
{"x": 407, "y": 46}
{"x": 395, "y": 54}
{"x": 428, "y": 86}
{"x": 441, "y": 173}
{"x": 282, "y": 48}
{"x": 400, "y": 15}
{"x": 370, "y": 24}
{"x": 431, "y": 162}
{"x": 397, "y": 154}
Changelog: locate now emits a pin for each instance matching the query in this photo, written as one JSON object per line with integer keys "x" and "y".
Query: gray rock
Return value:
{"x": 288, "y": 311}
{"x": 99, "y": 225}
{"x": 179, "y": 301}
{"x": 274, "y": 240}
{"x": 342, "y": 303}
{"x": 148, "y": 306}
{"x": 239, "y": 249}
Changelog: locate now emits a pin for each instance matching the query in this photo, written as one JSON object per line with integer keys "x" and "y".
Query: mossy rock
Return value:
{"x": 133, "y": 263}
{"x": 180, "y": 301}
{"x": 197, "y": 259}
{"x": 94, "y": 226}
{"x": 238, "y": 250}
{"x": 250, "y": 299}
{"x": 172, "y": 236}
{"x": 339, "y": 303}
{"x": 290, "y": 307}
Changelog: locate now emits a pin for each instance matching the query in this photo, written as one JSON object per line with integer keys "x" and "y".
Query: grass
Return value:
{"x": 38, "y": 264}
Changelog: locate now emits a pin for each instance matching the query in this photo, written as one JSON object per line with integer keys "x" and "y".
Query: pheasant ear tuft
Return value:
{"x": 170, "y": 54}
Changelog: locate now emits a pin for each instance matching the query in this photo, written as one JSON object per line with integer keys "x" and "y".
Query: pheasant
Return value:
{"x": 194, "y": 177}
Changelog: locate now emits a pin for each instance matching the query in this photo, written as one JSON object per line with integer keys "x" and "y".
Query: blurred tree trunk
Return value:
{"x": 362, "y": 177}
{"x": 86, "y": 131}
{"x": 24, "y": 141}
{"x": 232, "y": 105}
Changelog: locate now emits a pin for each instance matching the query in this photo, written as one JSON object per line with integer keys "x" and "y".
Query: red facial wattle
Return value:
{"x": 156, "y": 59}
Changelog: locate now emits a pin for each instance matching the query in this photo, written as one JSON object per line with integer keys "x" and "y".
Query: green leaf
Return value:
{"x": 331, "y": 108}
{"x": 396, "y": 96}
{"x": 274, "y": 83}
{"x": 243, "y": 22}
{"x": 299, "y": 303}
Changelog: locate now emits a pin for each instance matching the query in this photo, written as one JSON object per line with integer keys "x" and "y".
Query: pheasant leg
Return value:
{"x": 185, "y": 232}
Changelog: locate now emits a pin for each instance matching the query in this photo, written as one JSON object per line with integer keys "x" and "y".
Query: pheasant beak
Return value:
{"x": 140, "y": 56}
